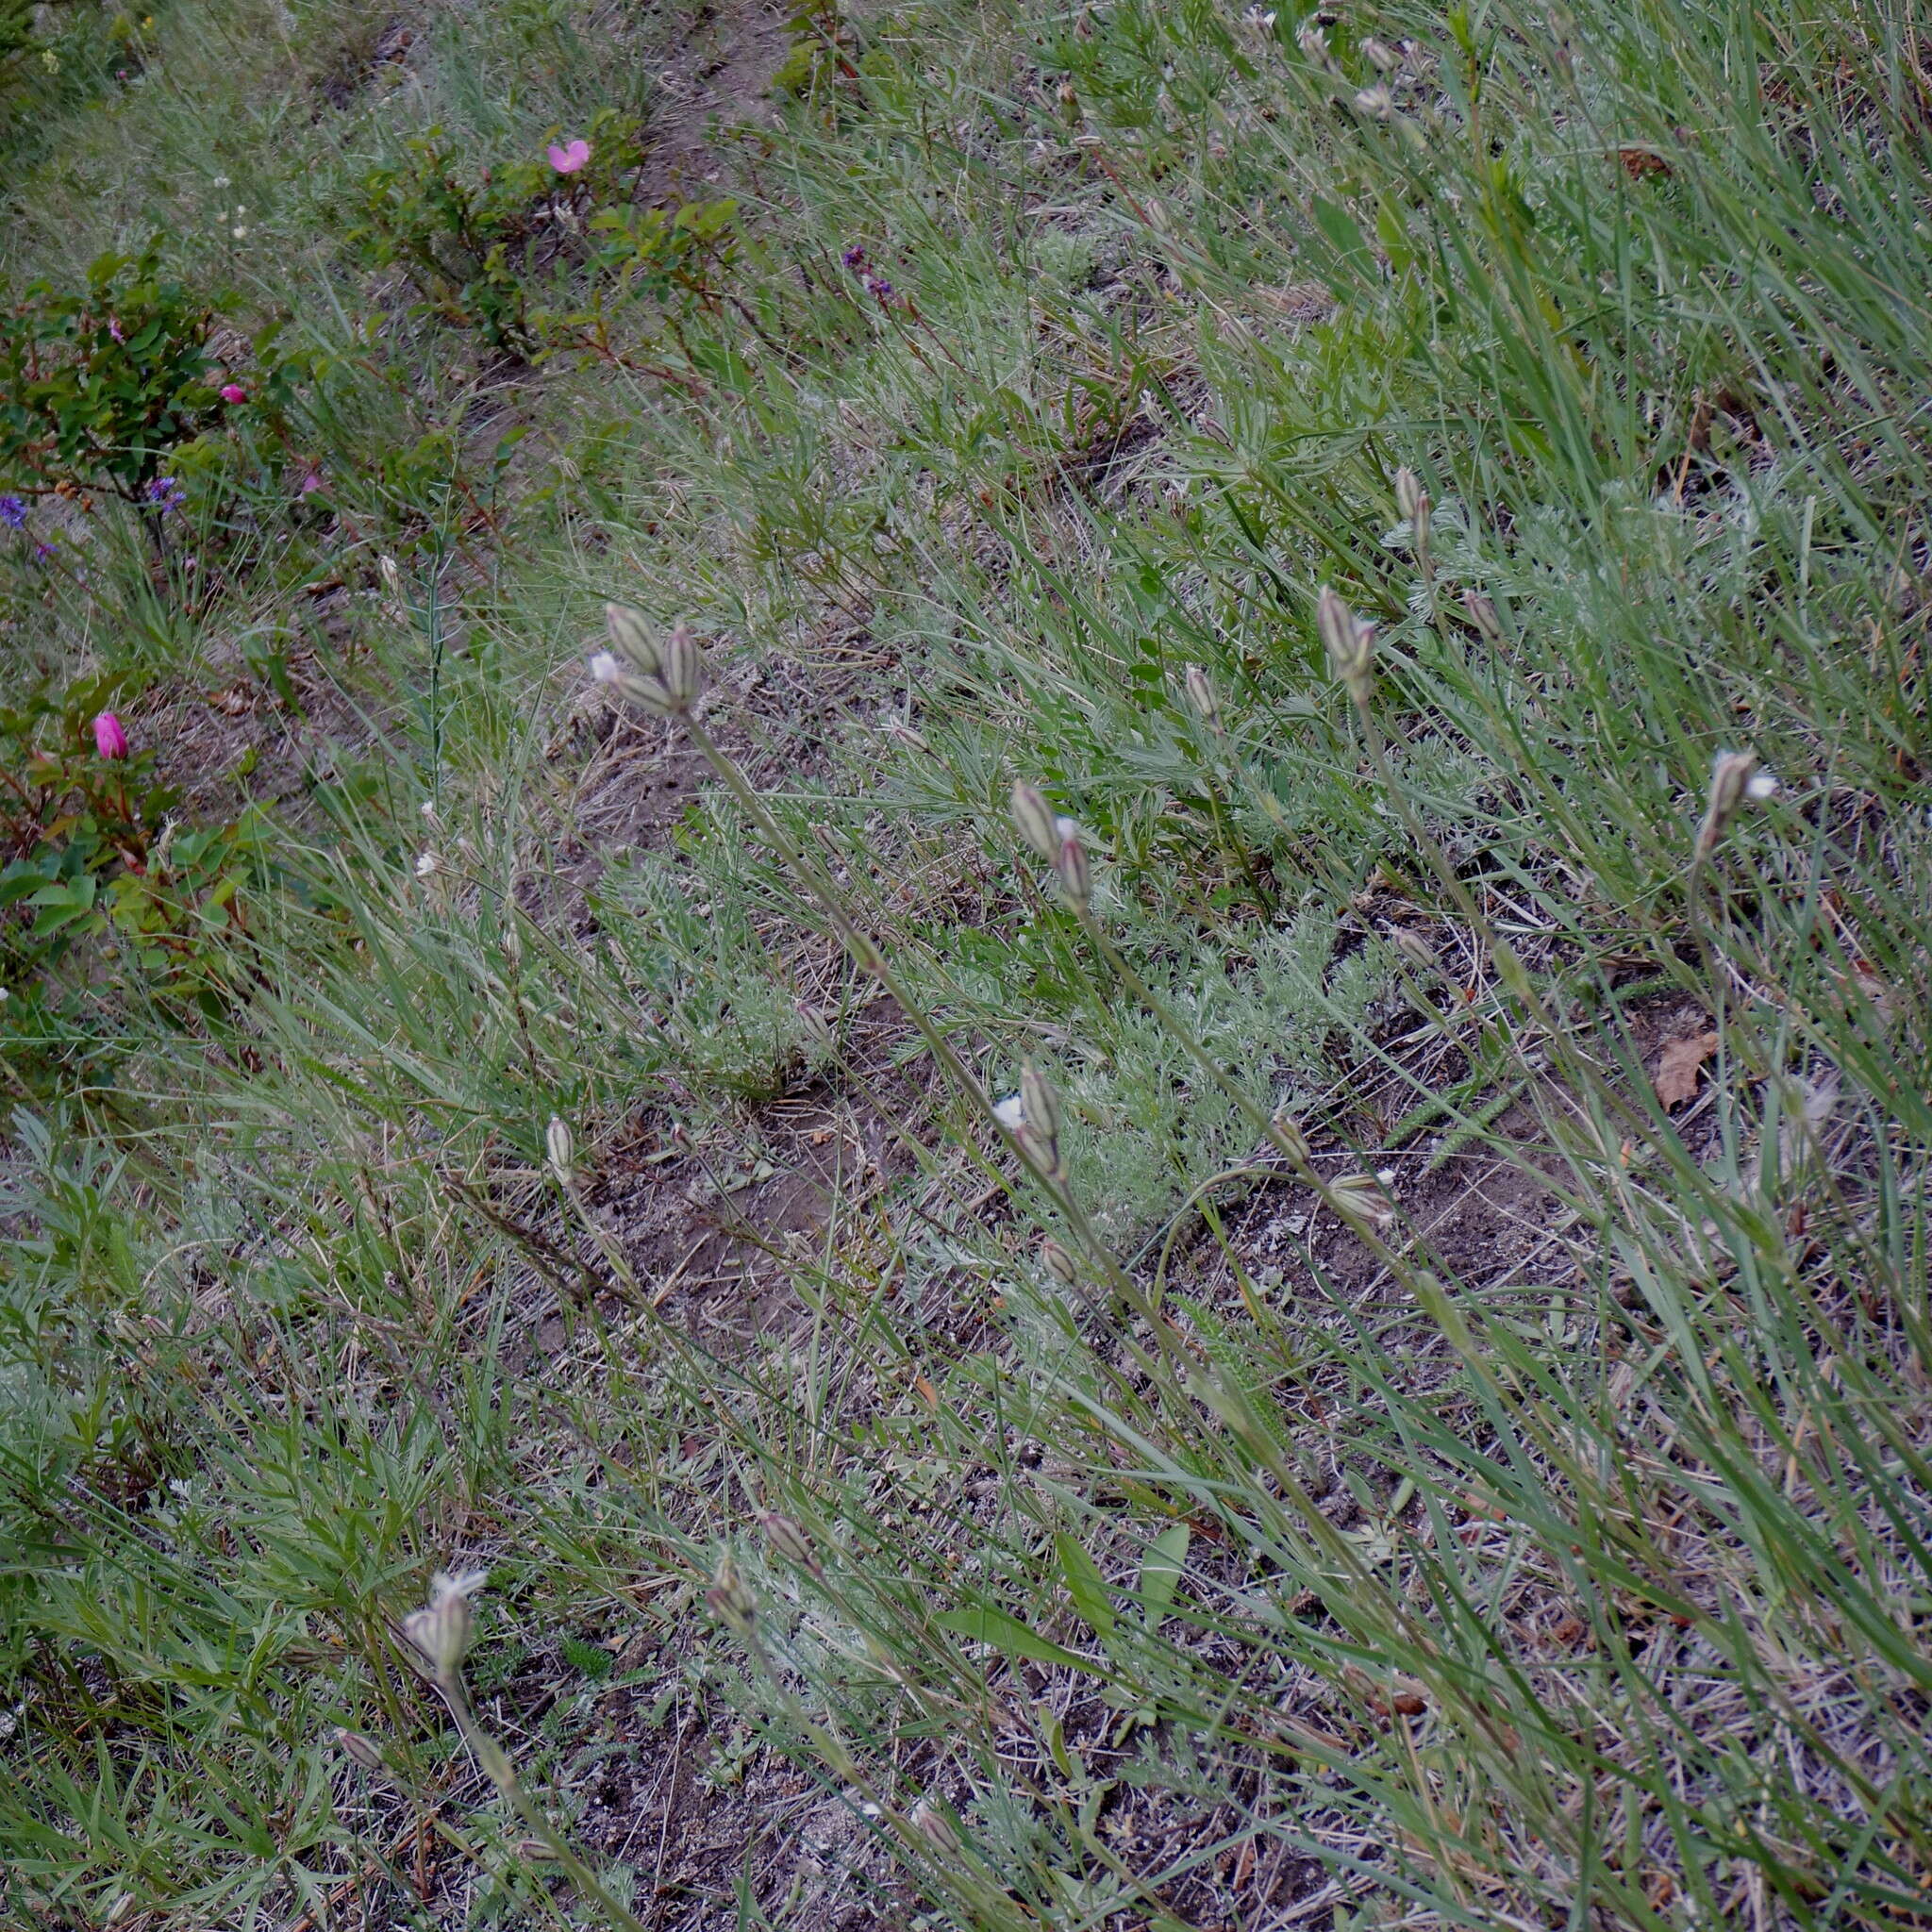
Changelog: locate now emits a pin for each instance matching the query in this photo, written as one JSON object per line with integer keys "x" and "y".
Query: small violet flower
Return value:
{"x": 165, "y": 493}
{"x": 570, "y": 157}
{"x": 110, "y": 741}
{"x": 13, "y": 512}
{"x": 311, "y": 483}
{"x": 854, "y": 257}
{"x": 115, "y": 329}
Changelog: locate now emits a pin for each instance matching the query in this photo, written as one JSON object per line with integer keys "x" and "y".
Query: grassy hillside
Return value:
{"x": 1156, "y": 1157}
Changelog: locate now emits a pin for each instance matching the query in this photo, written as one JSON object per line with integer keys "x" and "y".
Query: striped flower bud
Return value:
{"x": 359, "y": 1750}
{"x": 791, "y": 1541}
{"x": 1201, "y": 694}
{"x": 632, "y": 638}
{"x": 1040, "y": 1103}
{"x": 1059, "y": 1262}
{"x": 1284, "y": 1135}
{"x": 1414, "y": 502}
{"x": 1482, "y": 613}
{"x": 1035, "y": 820}
{"x": 682, "y": 671}
{"x": 1360, "y": 1198}
{"x": 1076, "y": 876}
{"x": 561, "y": 1149}
{"x": 729, "y": 1601}
{"x": 1348, "y": 639}
{"x": 933, "y": 1826}
{"x": 1730, "y": 776}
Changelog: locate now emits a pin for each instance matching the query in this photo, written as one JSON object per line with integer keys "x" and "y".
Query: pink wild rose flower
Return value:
{"x": 568, "y": 158}
{"x": 110, "y": 741}
{"x": 233, "y": 393}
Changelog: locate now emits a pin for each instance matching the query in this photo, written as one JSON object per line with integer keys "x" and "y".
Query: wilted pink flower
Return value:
{"x": 109, "y": 740}
{"x": 233, "y": 393}
{"x": 568, "y": 158}
{"x": 115, "y": 329}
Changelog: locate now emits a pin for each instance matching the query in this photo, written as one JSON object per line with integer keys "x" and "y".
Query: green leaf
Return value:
{"x": 1085, "y": 1585}
{"x": 1007, "y": 1633}
{"x": 1160, "y": 1571}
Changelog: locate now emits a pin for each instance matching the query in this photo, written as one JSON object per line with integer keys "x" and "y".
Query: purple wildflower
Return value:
{"x": 13, "y": 512}
{"x": 879, "y": 290}
{"x": 41, "y": 551}
{"x": 165, "y": 493}
{"x": 854, "y": 257}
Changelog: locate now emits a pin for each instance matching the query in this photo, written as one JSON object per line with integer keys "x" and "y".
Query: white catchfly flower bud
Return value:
{"x": 1377, "y": 102}
{"x": 1482, "y": 613}
{"x": 682, "y": 667}
{"x": 632, "y": 638}
{"x": 1059, "y": 1262}
{"x": 1201, "y": 694}
{"x": 441, "y": 1630}
{"x": 1042, "y": 1104}
{"x": 359, "y": 1749}
{"x": 561, "y": 1148}
{"x": 1730, "y": 774}
{"x": 1010, "y": 1113}
{"x": 729, "y": 1601}
{"x": 791, "y": 1541}
{"x": 1035, "y": 820}
{"x": 1075, "y": 873}
{"x": 1348, "y": 639}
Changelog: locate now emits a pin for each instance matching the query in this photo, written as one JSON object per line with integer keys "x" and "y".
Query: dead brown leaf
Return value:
{"x": 1676, "y": 1068}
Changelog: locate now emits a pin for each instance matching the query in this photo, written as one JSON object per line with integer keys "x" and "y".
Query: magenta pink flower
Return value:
{"x": 109, "y": 740}
{"x": 570, "y": 157}
{"x": 233, "y": 393}
{"x": 311, "y": 483}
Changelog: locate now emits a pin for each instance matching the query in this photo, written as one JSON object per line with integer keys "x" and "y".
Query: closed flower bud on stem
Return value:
{"x": 632, "y": 638}
{"x": 1408, "y": 491}
{"x": 1201, "y": 694}
{"x": 1482, "y": 613}
{"x": 1076, "y": 876}
{"x": 1035, "y": 820}
{"x": 1285, "y": 1134}
{"x": 933, "y": 1826}
{"x": 683, "y": 668}
{"x": 358, "y": 1749}
{"x": 1059, "y": 1262}
{"x": 561, "y": 1149}
{"x": 1349, "y": 640}
{"x": 790, "y": 1541}
{"x": 1730, "y": 777}
{"x": 1041, "y": 1104}
{"x": 1416, "y": 950}
{"x": 1360, "y": 1196}
{"x": 729, "y": 1601}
